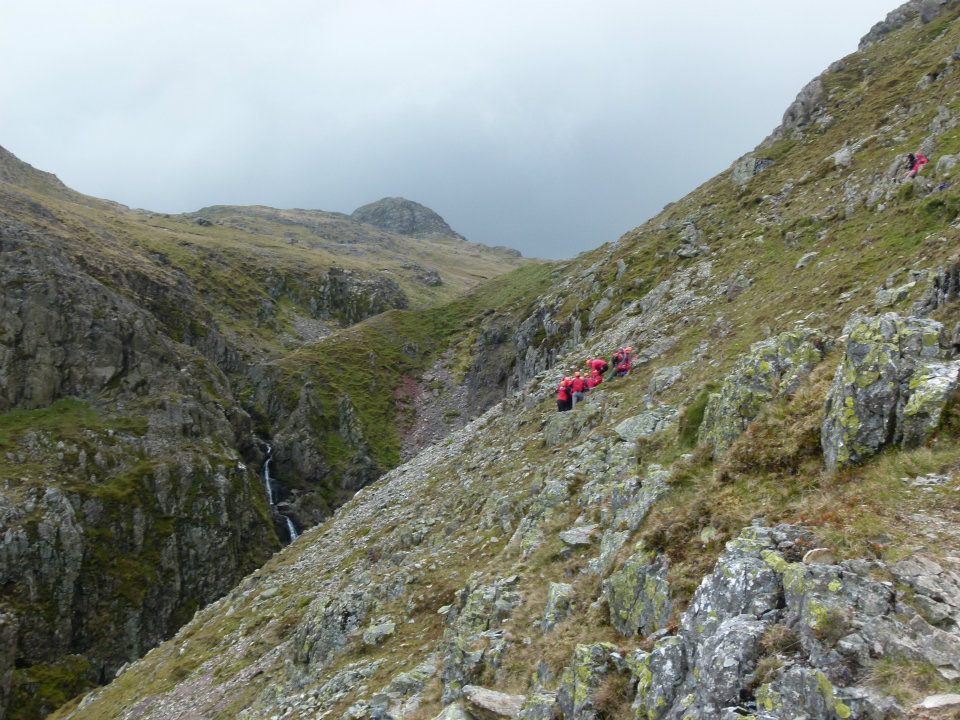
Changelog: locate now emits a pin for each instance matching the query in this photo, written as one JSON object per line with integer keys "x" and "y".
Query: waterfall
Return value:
{"x": 266, "y": 474}
{"x": 291, "y": 528}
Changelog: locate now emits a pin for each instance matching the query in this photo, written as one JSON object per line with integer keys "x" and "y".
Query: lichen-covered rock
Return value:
{"x": 579, "y": 682}
{"x": 663, "y": 379}
{"x": 610, "y": 543}
{"x": 453, "y": 711}
{"x": 936, "y": 590}
{"x": 658, "y": 675}
{"x": 471, "y": 640}
{"x": 806, "y": 108}
{"x": 327, "y": 625}
{"x": 377, "y": 632}
{"x": 646, "y": 423}
{"x": 638, "y": 595}
{"x": 746, "y": 168}
{"x": 488, "y": 704}
{"x": 404, "y": 217}
{"x": 943, "y": 286}
{"x": 540, "y": 705}
{"x": 563, "y": 427}
{"x": 801, "y": 692}
{"x": 578, "y": 535}
{"x": 400, "y": 698}
{"x": 726, "y": 659}
{"x": 559, "y": 605}
{"x": 773, "y": 368}
{"x": 930, "y": 389}
{"x": 890, "y": 388}
{"x": 631, "y": 498}
{"x": 549, "y": 497}
{"x": 8, "y": 654}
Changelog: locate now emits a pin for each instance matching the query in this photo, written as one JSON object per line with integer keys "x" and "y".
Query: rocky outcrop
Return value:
{"x": 890, "y": 389}
{"x": 842, "y": 618}
{"x": 131, "y": 505}
{"x": 576, "y": 694}
{"x": 638, "y": 595}
{"x": 472, "y": 640}
{"x": 924, "y": 10}
{"x": 806, "y": 108}
{"x": 404, "y": 217}
{"x": 559, "y": 605}
{"x": 748, "y": 167}
{"x": 773, "y": 368}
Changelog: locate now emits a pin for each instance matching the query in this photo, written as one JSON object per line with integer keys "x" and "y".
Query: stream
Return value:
{"x": 268, "y": 483}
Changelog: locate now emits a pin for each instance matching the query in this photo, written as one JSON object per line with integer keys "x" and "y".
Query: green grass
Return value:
{"x": 41, "y": 689}
{"x": 66, "y": 419}
{"x": 368, "y": 362}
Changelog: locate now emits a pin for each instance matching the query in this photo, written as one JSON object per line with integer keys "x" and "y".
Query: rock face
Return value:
{"x": 404, "y": 217}
{"x": 638, "y": 595}
{"x": 701, "y": 672}
{"x": 773, "y": 368}
{"x": 890, "y": 388}
{"x": 806, "y": 107}
{"x": 746, "y": 168}
{"x": 473, "y": 641}
{"x": 559, "y": 599}
{"x": 579, "y": 682}
{"x": 123, "y": 521}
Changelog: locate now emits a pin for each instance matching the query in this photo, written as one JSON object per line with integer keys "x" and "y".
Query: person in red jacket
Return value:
{"x": 595, "y": 379}
{"x": 563, "y": 396}
{"x": 916, "y": 162}
{"x": 578, "y": 388}
{"x": 597, "y": 365}
{"x": 622, "y": 358}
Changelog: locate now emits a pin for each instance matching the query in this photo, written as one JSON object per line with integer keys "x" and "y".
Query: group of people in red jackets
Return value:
{"x": 573, "y": 389}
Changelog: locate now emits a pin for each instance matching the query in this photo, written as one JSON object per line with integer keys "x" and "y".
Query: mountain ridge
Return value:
{"x": 693, "y": 541}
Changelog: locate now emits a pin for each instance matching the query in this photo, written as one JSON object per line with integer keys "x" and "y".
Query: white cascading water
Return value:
{"x": 266, "y": 473}
{"x": 291, "y": 528}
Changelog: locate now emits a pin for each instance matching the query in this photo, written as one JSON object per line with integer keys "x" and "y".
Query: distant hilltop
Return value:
{"x": 405, "y": 217}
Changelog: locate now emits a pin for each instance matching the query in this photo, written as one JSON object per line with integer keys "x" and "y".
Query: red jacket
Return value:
{"x": 598, "y": 365}
{"x": 578, "y": 385}
{"x": 563, "y": 394}
{"x": 594, "y": 380}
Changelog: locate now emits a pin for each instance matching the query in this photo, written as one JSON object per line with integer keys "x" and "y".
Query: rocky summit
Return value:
{"x": 404, "y": 217}
{"x": 242, "y": 480}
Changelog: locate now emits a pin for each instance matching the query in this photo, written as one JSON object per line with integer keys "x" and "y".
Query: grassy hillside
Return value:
{"x": 459, "y": 548}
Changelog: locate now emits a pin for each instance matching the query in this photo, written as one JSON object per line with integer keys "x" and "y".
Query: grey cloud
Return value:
{"x": 549, "y": 126}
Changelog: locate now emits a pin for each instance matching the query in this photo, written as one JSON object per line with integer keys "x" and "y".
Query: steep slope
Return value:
{"x": 761, "y": 521}
{"x": 144, "y": 372}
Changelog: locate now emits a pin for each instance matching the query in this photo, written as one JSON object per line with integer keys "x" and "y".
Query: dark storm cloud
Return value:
{"x": 548, "y": 126}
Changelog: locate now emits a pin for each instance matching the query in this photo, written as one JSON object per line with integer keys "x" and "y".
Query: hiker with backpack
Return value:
{"x": 578, "y": 388}
{"x": 622, "y": 357}
{"x": 597, "y": 365}
{"x": 914, "y": 164}
{"x": 564, "y": 397}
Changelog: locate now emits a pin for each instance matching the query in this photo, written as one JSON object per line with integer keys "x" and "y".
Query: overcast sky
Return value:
{"x": 548, "y": 125}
